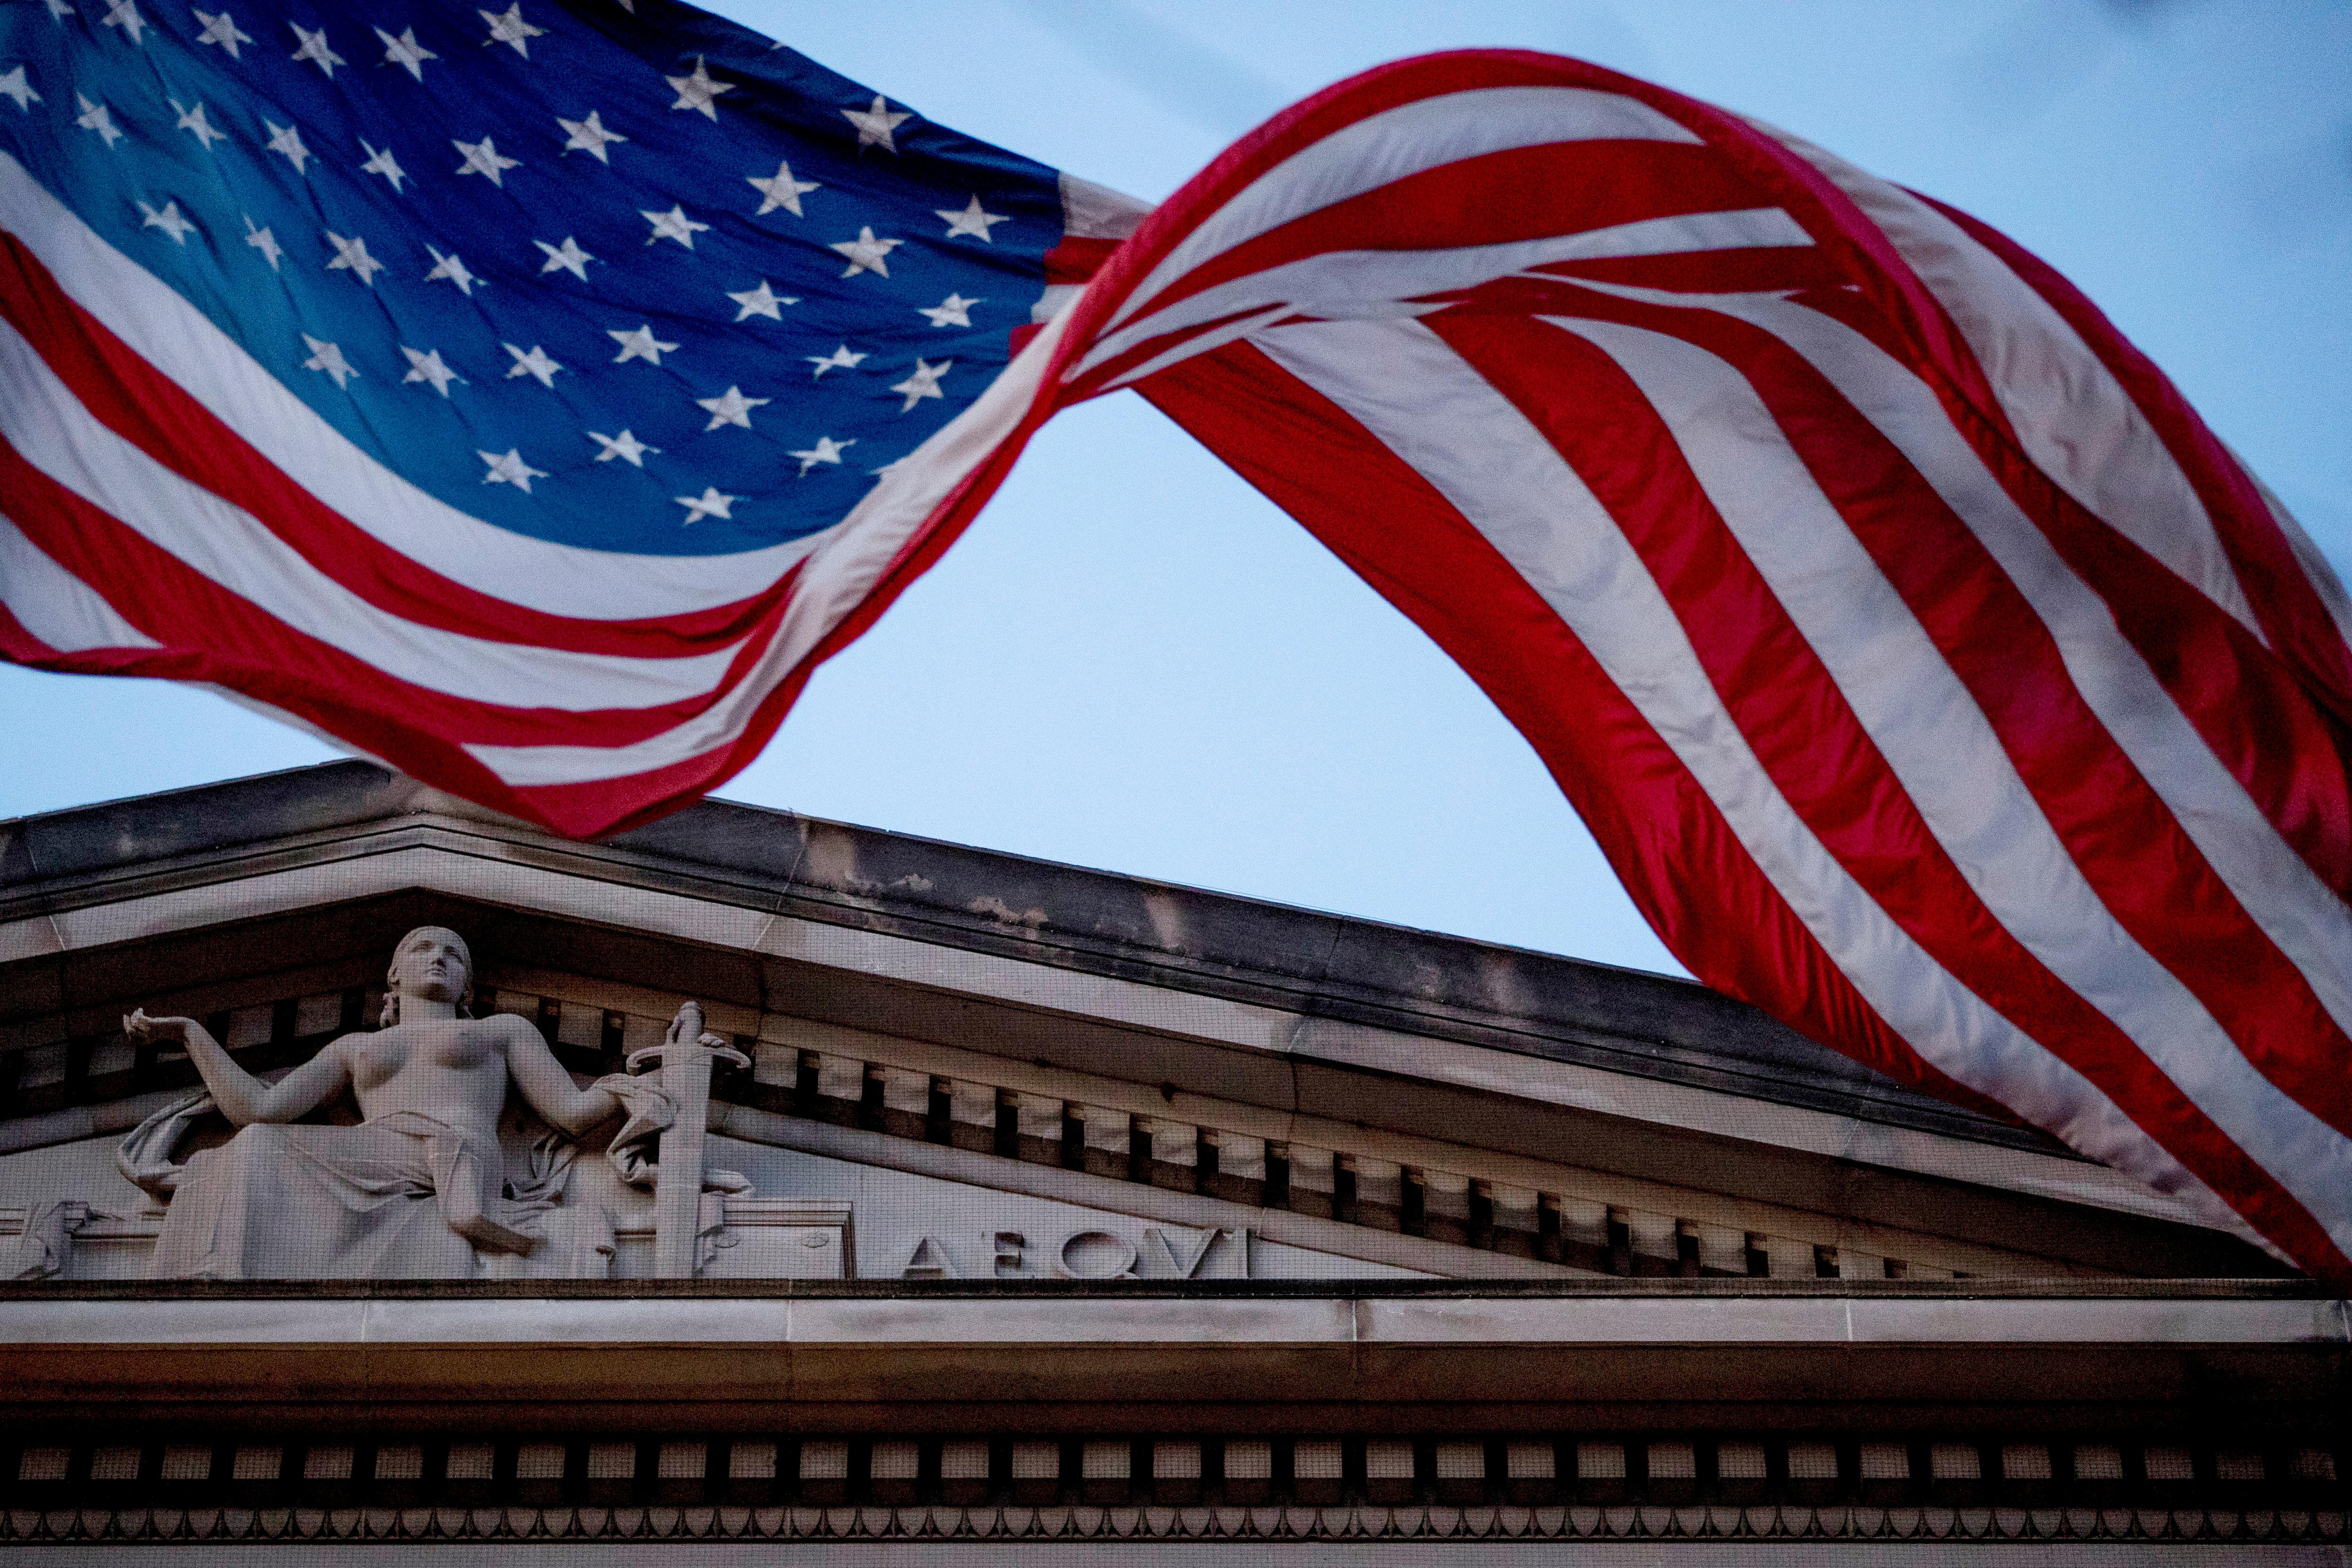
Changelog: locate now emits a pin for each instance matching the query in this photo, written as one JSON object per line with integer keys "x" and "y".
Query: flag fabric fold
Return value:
{"x": 1931, "y": 674}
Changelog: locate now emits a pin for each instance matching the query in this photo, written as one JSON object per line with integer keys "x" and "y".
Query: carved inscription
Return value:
{"x": 1092, "y": 1252}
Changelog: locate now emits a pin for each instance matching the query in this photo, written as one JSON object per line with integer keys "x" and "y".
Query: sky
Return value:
{"x": 1133, "y": 661}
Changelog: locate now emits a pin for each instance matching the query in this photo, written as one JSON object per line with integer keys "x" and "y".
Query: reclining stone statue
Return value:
{"x": 421, "y": 1188}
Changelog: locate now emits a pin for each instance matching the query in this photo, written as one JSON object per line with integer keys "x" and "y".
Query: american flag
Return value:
{"x": 1932, "y": 676}
{"x": 488, "y": 388}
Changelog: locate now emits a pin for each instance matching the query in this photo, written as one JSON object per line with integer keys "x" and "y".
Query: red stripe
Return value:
{"x": 1073, "y": 259}
{"x": 1686, "y": 870}
{"x": 148, "y": 409}
{"x": 240, "y": 644}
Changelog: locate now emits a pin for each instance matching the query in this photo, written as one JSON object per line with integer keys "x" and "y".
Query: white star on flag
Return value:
{"x": 672, "y": 225}
{"x": 263, "y": 241}
{"x": 536, "y": 364}
{"x": 826, "y": 450}
{"x": 405, "y": 51}
{"x": 170, "y": 220}
{"x": 123, "y": 14}
{"x": 731, "y": 407}
{"x": 448, "y": 267}
{"x": 13, "y": 85}
{"x": 640, "y": 344}
{"x": 781, "y": 191}
{"x": 698, "y": 91}
{"x": 971, "y": 221}
{"x": 588, "y": 136}
{"x": 762, "y": 301}
{"x": 93, "y": 116}
{"x": 510, "y": 28}
{"x": 60, "y": 11}
{"x": 711, "y": 504}
{"x": 328, "y": 358}
{"x": 624, "y": 446}
{"x": 315, "y": 50}
{"x": 287, "y": 142}
{"x": 565, "y": 257}
{"x": 923, "y": 383}
{"x": 509, "y": 469}
{"x": 866, "y": 252}
{"x": 955, "y": 311}
{"x": 428, "y": 367}
{"x": 191, "y": 121}
{"x": 382, "y": 163}
{"x": 841, "y": 359}
{"x": 351, "y": 256}
{"x": 483, "y": 158}
{"x": 876, "y": 125}
{"x": 222, "y": 31}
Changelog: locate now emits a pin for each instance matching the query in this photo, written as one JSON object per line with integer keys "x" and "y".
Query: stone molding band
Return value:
{"x": 1431, "y": 1526}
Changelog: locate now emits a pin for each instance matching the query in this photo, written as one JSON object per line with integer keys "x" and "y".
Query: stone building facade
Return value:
{"x": 1018, "y": 1208}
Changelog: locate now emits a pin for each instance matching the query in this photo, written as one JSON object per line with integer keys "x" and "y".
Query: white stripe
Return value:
{"x": 1444, "y": 419}
{"x": 1351, "y": 284}
{"x": 837, "y": 580}
{"x": 1097, "y": 212}
{"x": 1953, "y": 766}
{"x": 1386, "y": 147}
{"x": 55, "y": 605}
{"x": 2075, "y": 420}
{"x": 214, "y": 370}
{"x": 1053, "y": 301}
{"x": 48, "y": 426}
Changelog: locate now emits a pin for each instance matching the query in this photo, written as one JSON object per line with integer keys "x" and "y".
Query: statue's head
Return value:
{"x": 431, "y": 964}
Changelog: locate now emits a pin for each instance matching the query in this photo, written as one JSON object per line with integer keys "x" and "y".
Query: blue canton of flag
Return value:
{"x": 636, "y": 280}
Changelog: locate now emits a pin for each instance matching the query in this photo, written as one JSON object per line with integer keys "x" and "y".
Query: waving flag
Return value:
{"x": 488, "y": 389}
{"x": 1931, "y": 676}
{"x": 532, "y": 397}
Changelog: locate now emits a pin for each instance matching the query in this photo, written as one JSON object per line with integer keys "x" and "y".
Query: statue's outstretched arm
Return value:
{"x": 243, "y": 1098}
{"x": 547, "y": 1089}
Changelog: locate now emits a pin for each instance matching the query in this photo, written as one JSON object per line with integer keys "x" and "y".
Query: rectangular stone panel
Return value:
{"x": 539, "y": 1462}
{"x": 893, "y": 1468}
{"x": 471, "y": 1462}
{"x": 2098, "y": 1462}
{"x": 399, "y": 1462}
{"x": 115, "y": 1463}
{"x": 1249, "y": 1470}
{"x": 1176, "y": 1472}
{"x": 329, "y": 1462}
{"x": 1388, "y": 1470}
{"x": 1317, "y": 1471}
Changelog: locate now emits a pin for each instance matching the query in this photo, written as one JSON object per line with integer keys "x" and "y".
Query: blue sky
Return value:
{"x": 1133, "y": 661}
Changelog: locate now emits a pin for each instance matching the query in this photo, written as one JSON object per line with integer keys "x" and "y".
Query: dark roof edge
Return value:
{"x": 1164, "y": 933}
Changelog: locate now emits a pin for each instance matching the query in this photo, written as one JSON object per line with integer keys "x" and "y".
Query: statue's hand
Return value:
{"x": 142, "y": 1029}
{"x": 688, "y": 1025}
